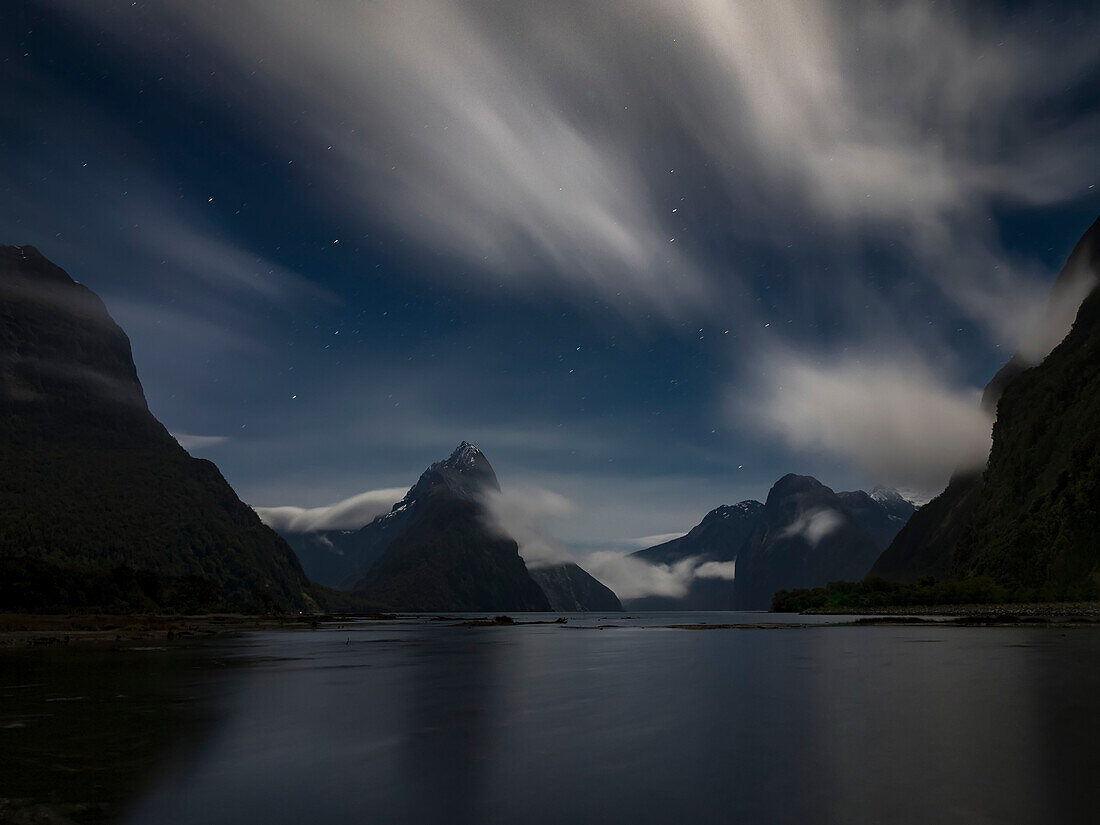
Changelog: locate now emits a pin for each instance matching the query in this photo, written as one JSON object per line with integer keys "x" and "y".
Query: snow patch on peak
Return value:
{"x": 747, "y": 506}
{"x": 465, "y": 454}
{"x": 885, "y": 494}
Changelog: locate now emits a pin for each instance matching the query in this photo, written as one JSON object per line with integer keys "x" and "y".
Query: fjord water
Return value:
{"x": 427, "y": 722}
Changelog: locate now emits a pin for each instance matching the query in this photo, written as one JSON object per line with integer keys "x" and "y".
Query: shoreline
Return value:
{"x": 48, "y": 629}
{"x": 44, "y": 629}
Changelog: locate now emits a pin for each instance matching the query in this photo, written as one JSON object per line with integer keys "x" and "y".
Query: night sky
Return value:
{"x": 649, "y": 256}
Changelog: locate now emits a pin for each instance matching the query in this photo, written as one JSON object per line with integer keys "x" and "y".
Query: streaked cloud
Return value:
{"x": 349, "y": 514}
{"x": 198, "y": 442}
{"x": 523, "y": 139}
{"x": 634, "y": 578}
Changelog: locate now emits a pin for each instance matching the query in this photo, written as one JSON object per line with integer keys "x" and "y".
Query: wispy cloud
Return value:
{"x": 633, "y": 578}
{"x": 475, "y": 139}
{"x": 894, "y": 418}
{"x": 349, "y": 514}
{"x": 814, "y": 525}
{"x": 903, "y": 121}
{"x": 525, "y": 514}
{"x": 524, "y": 139}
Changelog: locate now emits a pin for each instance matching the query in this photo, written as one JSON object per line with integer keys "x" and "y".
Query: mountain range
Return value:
{"x": 803, "y": 535}
{"x": 101, "y": 507}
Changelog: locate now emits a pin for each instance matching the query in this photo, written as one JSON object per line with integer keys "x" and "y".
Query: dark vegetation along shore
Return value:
{"x": 879, "y": 593}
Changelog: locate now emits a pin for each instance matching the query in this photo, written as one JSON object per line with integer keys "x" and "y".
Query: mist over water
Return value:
{"x": 424, "y": 723}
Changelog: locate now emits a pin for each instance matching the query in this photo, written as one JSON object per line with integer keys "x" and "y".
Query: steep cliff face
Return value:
{"x": 1030, "y": 520}
{"x": 570, "y": 589}
{"x": 1036, "y": 525}
{"x": 89, "y": 479}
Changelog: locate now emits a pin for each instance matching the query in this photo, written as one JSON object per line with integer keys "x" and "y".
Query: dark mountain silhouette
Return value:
{"x": 1031, "y": 521}
{"x": 90, "y": 481}
{"x": 341, "y": 558}
{"x": 808, "y": 535}
{"x": 435, "y": 551}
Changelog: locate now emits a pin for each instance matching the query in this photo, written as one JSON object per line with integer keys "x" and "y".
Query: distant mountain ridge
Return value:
{"x": 717, "y": 538}
{"x": 91, "y": 481}
{"x": 803, "y": 533}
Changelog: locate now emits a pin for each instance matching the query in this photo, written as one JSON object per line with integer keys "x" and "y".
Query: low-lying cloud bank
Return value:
{"x": 634, "y": 578}
{"x": 349, "y": 514}
{"x": 526, "y": 515}
{"x": 895, "y": 419}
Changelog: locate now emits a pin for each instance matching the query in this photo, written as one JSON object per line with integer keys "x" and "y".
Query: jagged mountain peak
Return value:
{"x": 465, "y": 454}
{"x": 465, "y": 474}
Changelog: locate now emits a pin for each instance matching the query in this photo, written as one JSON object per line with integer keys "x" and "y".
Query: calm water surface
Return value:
{"x": 422, "y": 722}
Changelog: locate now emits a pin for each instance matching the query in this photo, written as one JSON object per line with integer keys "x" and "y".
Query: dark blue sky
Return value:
{"x": 649, "y": 256}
